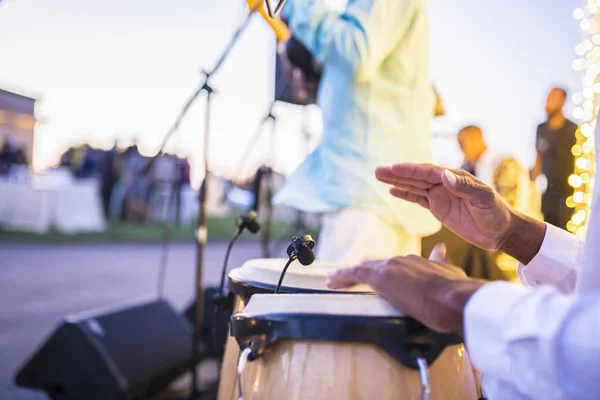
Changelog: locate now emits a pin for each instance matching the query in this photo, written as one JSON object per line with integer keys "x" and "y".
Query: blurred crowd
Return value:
{"x": 542, "y": 191}
{"x": 133, "y": 187}
{"x": 10, "y": 155}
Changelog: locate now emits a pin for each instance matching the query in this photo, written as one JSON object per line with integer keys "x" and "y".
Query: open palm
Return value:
{"x": 464, "y": 204}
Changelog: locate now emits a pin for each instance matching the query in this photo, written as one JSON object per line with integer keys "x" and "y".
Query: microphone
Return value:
{"x": 249, "y": 222}
{"x": 300, "y": 249}
{"x": 244, "y": 222}
{"x": 282, "y": 32}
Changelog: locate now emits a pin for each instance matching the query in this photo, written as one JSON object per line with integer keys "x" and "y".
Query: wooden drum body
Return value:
{"x": 260, "y": 277}
{"x": 344, "y": 347}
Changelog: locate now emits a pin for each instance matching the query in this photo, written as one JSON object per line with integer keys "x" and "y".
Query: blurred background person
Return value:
{"x": 109, "y": 176}
{"x": 501, "y": 171}
{"x": 81, "y": 160}
{"x": 136, "y": 185}
{"x": 554, "y": 141}
{"x": 9, "y": 155}
{"x": 506, "y": 175}
{"x": 377, "y": 104}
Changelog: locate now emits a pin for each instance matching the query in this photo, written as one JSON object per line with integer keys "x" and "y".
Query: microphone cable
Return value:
{"x": 219, "y": 301}
{"x": 287, "y": 265}
{"x": 245, "y": 222}
{"x": 224, "y": 269}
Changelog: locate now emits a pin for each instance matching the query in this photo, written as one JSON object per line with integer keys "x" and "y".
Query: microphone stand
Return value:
{"x": 266, "y": 236}
{"x": 201, "y": 233}
{"x": 268, "y": 174}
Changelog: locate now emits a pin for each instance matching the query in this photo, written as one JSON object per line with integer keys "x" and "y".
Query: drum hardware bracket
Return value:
{"x": 244, "y": 357}
{"x": 259, "y": 332}
{"x": 424, "y": 372}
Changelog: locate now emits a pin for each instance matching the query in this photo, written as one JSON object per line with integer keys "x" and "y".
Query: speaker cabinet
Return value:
{"x": 121, "y": 353}
{"x": 215, "y": 328}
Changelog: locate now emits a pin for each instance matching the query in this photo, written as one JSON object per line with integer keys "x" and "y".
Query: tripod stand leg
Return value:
{"x": 267, "y": 224}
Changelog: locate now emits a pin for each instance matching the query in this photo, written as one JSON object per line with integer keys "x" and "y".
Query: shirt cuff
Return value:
{"x": 485, "y": 322}
{"x": 556, "y": 262}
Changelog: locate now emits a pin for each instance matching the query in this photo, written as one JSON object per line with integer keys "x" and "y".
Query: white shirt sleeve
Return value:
{"x": 535, "y": 344}
{"x": 556, "y": 263}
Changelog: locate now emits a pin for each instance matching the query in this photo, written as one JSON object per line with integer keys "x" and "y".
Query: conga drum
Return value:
{"x": 321, "y": 346}
{"x": 260, "y": 277}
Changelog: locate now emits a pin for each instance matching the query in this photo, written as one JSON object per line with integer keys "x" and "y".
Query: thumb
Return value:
{"x": 464, "y": 186}
{"x": 438, "y": 254}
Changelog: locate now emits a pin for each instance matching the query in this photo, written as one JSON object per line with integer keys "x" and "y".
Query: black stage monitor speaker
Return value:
{"x": 213, "y": 340}
{"x": 126, "y": 353}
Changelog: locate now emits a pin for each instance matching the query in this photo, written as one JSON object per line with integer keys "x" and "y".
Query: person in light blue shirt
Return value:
{"x": 377, "y": 102}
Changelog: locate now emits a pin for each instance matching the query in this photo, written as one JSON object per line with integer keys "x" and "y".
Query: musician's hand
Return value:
{"x": 286, "y": 65}
{"x": 466, "y": 206}
{"x": 434, "y": 293}
{"x": 303, "y": 88}
{"x": 306, "y": 88}
{"x": 457, "y": 199}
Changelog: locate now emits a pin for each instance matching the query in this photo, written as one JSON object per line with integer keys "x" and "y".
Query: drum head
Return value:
{"x": 262, "y": 275}
{"x": 357, "y": 318}
{"x": 356, "y": 305}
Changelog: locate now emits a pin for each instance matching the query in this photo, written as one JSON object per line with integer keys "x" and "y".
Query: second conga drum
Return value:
{"x": 345, "y": 348}
{"x": 260, "y": 277}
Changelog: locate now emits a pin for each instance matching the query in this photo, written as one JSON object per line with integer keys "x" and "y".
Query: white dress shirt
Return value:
{"x": 543, "y": 341}
{"x": 538, "y": 343}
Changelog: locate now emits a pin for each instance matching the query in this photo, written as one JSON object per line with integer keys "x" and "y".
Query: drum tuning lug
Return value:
{"x": 424, "y": 372}
{"x": 244, "y": 357}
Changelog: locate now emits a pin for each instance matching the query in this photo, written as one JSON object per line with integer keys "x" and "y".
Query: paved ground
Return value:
{"x": 40, "y": 284}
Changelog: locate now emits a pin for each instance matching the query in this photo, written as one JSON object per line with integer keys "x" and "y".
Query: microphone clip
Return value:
{"x": 298, "y": 244}
{"x": 300, "y": 249}
{"x": 249, "y": 222}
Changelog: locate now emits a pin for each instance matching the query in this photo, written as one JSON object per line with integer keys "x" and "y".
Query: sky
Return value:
{"x": 119, "y": 69}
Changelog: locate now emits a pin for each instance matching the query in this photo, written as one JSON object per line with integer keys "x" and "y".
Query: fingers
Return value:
{"x": 420, "y": 172}
{"x": 438, "y": 254}
{"x": 373, "y": 263}
{"x": 410, "y": 196}
{"x": 387, "y": 175}
{"x": 466, "y": 186}
{"x": 412, "y": 189}
{"x": 345, "y": 278}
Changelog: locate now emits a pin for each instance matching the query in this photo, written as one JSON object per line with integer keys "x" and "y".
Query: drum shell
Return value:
{"x": 298, "y": 370}
{"x": 228, "y": 380}
{"x": 276, "y": 364}
{"x": 244, "y": 289}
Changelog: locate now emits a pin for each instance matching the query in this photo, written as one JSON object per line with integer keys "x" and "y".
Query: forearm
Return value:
{"x": 524, "y": 238}
{"x": 453, "y": 296}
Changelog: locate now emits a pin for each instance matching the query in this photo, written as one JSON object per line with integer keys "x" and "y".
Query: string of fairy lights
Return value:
{"x": 585, "y": 112}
